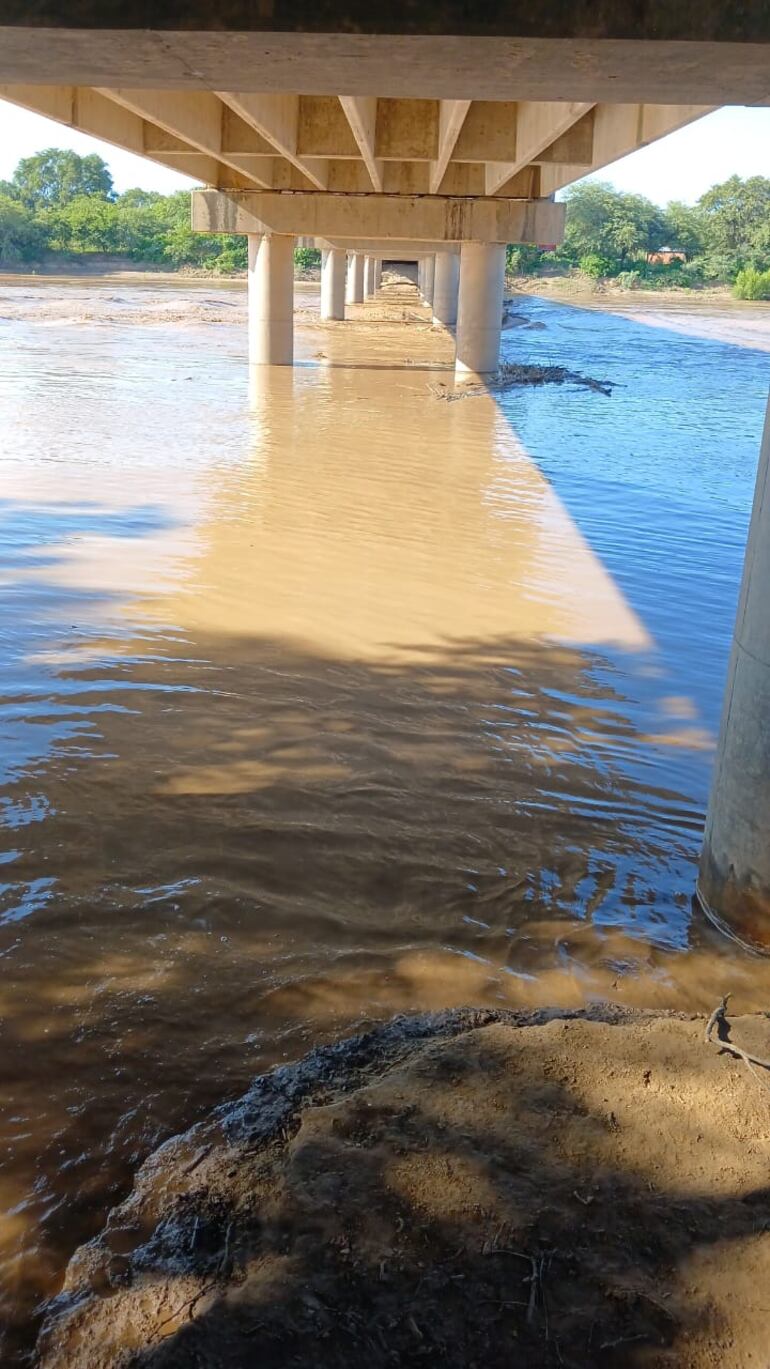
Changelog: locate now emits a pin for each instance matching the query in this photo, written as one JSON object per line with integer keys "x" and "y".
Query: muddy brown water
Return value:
{"x": 323, "y": 698}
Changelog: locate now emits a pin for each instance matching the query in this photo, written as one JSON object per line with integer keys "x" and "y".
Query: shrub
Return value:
{"x": 752, "y": 284}
{"x": 21, "y": 237}
{"x": 521, "y": 259}
{"x": 629, "y": 280}
{"x": 596, "y": 266}
{"x": 231, "y": 259}
{"x": 306, "y": 257}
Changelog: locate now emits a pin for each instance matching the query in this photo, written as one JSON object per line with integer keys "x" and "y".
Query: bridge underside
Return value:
{"x": 441, "y": 131}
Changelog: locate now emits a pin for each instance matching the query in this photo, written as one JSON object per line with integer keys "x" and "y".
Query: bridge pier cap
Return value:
{"x": 434, "y": 219}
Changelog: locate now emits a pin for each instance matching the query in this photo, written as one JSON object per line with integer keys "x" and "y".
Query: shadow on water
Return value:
{"x": 364, "y": 839}
{"x": 660, "y": 478}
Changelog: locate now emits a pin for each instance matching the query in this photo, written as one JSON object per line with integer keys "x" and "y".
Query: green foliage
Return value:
{"x": 521, "y": 259}
{"x": 56, "y": 176}
{"x": 610, "y": 224}
{"x": 629, "y": 280}
{"x": 233, "y": 256}
{"x": 306, "y": 257}
{"x": 738, "y": 218}
{"x": 609, "y": 233}
{"x": 87, "y": 223}
{"x": 752, "y": 284}
{"x": 21, "y": 237}
{"x": 596, "y": 266}
{"x": 684, "y": 228}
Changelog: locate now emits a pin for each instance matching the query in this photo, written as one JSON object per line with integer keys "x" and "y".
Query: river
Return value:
{"x": 323, "y": 697}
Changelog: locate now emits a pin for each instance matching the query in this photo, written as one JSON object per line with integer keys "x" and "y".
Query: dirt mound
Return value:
{"x": 464, "y": 1189}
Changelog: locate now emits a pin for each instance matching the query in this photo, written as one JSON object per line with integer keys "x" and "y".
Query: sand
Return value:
{"x": 464, "y": 1189}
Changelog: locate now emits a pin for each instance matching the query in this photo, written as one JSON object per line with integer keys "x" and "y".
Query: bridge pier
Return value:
{"x": 428, "y": 278}
{"x": 479, "y": 309}
{"x": 271, "y": 299}
{"x": 333, "y": 284}
{"x": 369, "y": 278}
{"x": 734, "y": 879}
{"x": 446, "y": 283}
{"x": 354, "y": 293}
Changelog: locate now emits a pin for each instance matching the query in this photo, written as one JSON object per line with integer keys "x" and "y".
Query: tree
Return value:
{"x": 737, "y": 221}
{"x": 57, "y": 176}
{"x": 685, "y": 228}
{"x": 87, "y": 223}
{"x": 136, "y": 198}
{"x": 21, "y": 237}
{"x": 610, "y": 224}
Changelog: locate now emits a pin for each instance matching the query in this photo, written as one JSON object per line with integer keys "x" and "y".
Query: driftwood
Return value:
{"x": 511, "y": 374}
{"x": 718, "y": 1021}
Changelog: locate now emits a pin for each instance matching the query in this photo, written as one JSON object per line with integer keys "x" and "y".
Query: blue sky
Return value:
{"x": 734, "y": 141}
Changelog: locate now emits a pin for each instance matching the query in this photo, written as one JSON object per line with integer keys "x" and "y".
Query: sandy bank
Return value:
{"x": 467, "y": 1188}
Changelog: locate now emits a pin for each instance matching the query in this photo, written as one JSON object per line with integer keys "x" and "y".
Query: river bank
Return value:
{"x": 576, "y": 1189}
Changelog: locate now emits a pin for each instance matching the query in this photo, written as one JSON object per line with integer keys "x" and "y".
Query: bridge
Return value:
{"x": 438, "y": 132}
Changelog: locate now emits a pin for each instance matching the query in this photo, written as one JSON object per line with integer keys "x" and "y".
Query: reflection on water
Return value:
{"x": 340, "y": 701}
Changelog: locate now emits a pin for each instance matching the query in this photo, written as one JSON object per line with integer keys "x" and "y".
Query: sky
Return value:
{"x": 732, "y": 141}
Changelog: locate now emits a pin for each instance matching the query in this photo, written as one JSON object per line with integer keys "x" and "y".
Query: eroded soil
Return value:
{"x": 465, "y": 1189}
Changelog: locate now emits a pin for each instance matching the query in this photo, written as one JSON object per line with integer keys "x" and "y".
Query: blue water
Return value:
{"x": 659, "y": 478}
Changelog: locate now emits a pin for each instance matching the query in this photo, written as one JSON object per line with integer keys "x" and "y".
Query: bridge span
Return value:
{"x": 440, "y": 132}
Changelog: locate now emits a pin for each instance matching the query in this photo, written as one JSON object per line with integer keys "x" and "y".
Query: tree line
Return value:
{"x": 58, "y": 202}
{"x": 610, "y": 234}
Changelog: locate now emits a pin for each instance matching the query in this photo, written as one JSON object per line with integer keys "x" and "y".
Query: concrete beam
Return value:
{"x": 618, "y": 130}
{"x": 407, "y": 130}
{"x": 538, "y": 124}
{"x": 452, "y": 114}
{"x": 390, "y": 249}
{"x": 437, "y": 218}
{"x": 276, "y": 119}
{"x": 361, "y": 114}
{"x": 195, "y": 118}
{"x": 91, "y": 112}
{"x": 704, "y": 66}
{"x": 323, "y": 130}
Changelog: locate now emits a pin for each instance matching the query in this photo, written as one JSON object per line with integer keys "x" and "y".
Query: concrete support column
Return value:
{"x": 369, "y": 285}
{"x": 355, "y": 287}
{"x": 479, "y": 309}
{"x": 271, "y": 300}
{"x": 428, "y": 274}
{"x": 333, "y": 284}
{"x": 377, "y": 274}
{"x": 446, "y": 283}
{"x": 734, "y": 878}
